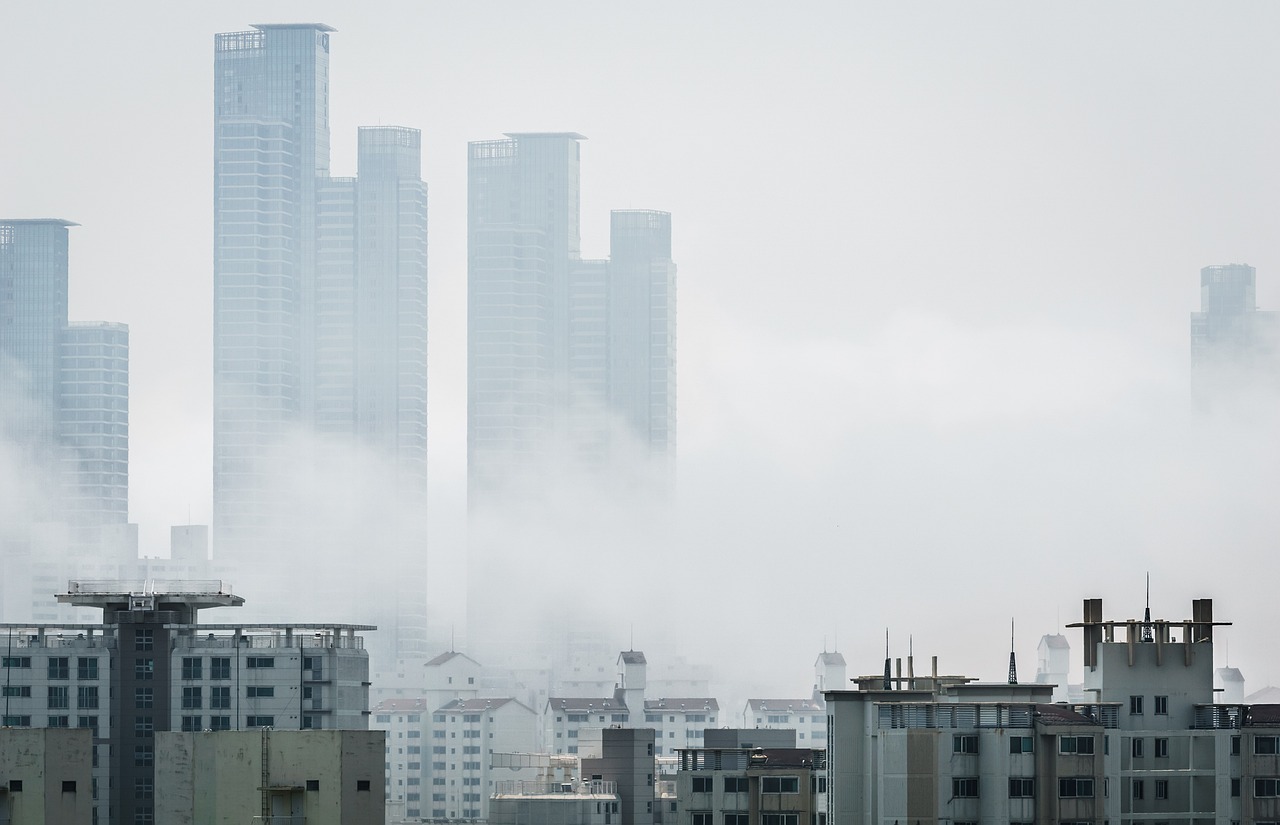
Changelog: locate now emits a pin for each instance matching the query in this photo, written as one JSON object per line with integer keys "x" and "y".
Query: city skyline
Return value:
{"x": 943, "y": 268}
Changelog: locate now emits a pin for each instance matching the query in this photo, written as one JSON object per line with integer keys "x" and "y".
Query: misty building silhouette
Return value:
{"x": 1233, "y": 345}
{"x": 66, "y": 391}
{"x": 568, "y": 358}
{"x": 320, "y": 316}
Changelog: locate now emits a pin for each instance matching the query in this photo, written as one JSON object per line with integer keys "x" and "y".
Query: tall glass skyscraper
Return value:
{"x": 1234, "y": 346}
{"x": 65, "y": 390}
{"x": 565, "y": 354}
{"x": 320, "y": 312}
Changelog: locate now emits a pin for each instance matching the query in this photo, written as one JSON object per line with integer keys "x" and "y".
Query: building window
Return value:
{"x": 144, "y": 727}
{"x": 964, "y": 787}
{"x": 1235, "y": 786}
{"x": 192, "y": 667}
{"x": 87, "y": 696}
{"x": 17, "y": 690}
{"x": 192, "y": 698}
{"x": 59, "y": 667}
{"x": 59, "y": 721}
{"x": 1075, "y": 744}
{"x": 219, "y": 723}
{"x": 964, "y": 743}
{"x": 1020, "y": 744}
{"x": 737, "y": 818}
{"x": 313, "y": 784}
{"x": 220, "y": 667}
{"x": 1075, "y": 787}
{"x": 143, "y": 756}
{"x": 1268, "y": 787}
{"x": 1162, "y": 747}
{"x": 1135, "y": 705}
{"x": 1162, "y": 789}
{"x": 779, "y": 819}
{"x": 259, "y": 721}
{"x": 87, "y": 668}
{"x": 701, "y": 817}
{"x": 68, "y": 786}
{"x": 736, "y": 784}
{"x": 1136, "y": 747}
{"x": 16, "y": 662}
{"x": 1139, "y": 789}
{"x": 1161, "y": 706}
{"x": 143, "y": 788}
{"x": 219, "y": 697}
{"x": 191, "y": 723}
{"x": 363, "y": 785}
{"x": 702, "y": 784}
{"x": 59, "y": 697}
{"x": 254, "y": 691}
{"x": 1266, "y": 745}
{"x": 16, "y": 722}
{"x": 144, "y": 669}
{"x": 260, "y": 661}
{"x": 144, "y": 639}
{"x": 90, "y": 722}
{"x": 144, "y": 698}
{"x": 780, "y": 784}
{"x": 1235, "y": 746}
{"x": 1021, "y": 788}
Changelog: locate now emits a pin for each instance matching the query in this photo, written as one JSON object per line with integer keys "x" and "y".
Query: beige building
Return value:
{"x": 756, "y": 786}
{"x": 317, "y": 777}
{"x": 46, "y": 776}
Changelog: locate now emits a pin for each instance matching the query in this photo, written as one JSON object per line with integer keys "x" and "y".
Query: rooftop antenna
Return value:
{"x": 888, "y": 685}
{"x": 1013, "y": 664}
{"x": 1146, "y": 616}
{"x": 451, "y": 631}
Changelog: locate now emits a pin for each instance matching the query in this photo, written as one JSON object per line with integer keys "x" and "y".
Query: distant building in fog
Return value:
{"x": 570, "y": 361}
{"x": 1234, "y": 346}
{"x": 320, "y": 324}
{"x": 64, "y": 404}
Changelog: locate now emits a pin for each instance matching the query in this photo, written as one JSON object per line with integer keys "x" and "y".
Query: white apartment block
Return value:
{"x": 808, "y": 718}
{"x": 406, "y": 723}
{"x": 466, "y": 733}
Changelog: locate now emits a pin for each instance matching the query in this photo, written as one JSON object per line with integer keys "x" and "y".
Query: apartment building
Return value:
{"x": 1150, "y": 744}
{"x": 149, "y": 666}
{"x": 751, "y": 786}
{"x": 405, "y": 722}
{"x": 466, "y": 733}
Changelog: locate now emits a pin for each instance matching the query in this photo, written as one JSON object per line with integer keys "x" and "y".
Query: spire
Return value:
{"x": 1146, "y": 616}
{"x": 888, "y": 677}
{"x": 1013, "y": 664}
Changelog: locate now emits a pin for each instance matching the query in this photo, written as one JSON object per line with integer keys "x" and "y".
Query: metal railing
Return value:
{"x": 528, "y": 787}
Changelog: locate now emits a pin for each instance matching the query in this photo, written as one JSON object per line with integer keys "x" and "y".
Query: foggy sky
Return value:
{"x": 936, "y": 264}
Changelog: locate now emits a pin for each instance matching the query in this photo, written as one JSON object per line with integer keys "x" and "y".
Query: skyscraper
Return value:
{"x": 1234, "y": 346}
{"x": 320, "y": 317}
{"x": 64, "y": 421}
{"x": 568, "y": 358}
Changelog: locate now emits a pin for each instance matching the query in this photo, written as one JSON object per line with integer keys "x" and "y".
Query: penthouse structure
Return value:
{"x": 150, "y": 666}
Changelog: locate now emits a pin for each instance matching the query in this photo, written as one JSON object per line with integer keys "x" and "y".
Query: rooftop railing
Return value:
{"x": 528, "y": 787}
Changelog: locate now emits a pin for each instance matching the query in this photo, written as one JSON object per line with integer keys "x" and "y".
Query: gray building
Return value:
{"x": 1235, "y": 347}
{"x": 320, "y": 317}
{"x": 45, "y": 776}
{"x": 567, "y": 357}
{"x": 149, "y": 666}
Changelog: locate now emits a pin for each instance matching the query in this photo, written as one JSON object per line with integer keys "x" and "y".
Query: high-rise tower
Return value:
{"x": 1234, "y": 346}
{"x": 320, "y": 325}
{"x": 567, "y": 357}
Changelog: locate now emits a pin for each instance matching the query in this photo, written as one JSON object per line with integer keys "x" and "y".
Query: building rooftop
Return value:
{"x": 831, "y": 657}
{"x": 793, "y": 705}
{"x": 518, "y": 135}
{"x": 15, "y": 221}
{"x": 317, "y": 26}
{"x": 470, "y": 705}
{"x": 586, "y": 703}
{"x": 632, "y": 657}
{"x": 682, "y": 705}
{"x": 400, "y": 706}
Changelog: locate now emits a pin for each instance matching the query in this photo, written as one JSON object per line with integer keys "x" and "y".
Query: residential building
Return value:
{"x": 405, "y": 722}
{"x": 1150, "y": 744}
{"x": 624, "y": 757}
{"x": 320, "y": 325}
{"x": 807, "y": 717}
{"x": 320, "y": 777}
{"x": 570, "y": 360}
{"x": 46, "y": 776}
{"x": 679, "y": 722}
{"x": 576, "y": 802}
{"x": 148, "y": 666}
{"x": 757, "y": 786}
{"x": 466, "y": 733}
{"x": 65, "y": 391}
{"x": 1235, "y": 347}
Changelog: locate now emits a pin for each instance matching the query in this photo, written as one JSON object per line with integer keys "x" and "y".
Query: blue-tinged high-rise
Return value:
{"x": 320, "y": 326}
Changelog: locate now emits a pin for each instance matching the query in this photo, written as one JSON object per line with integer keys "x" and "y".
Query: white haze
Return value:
{"x": 936, "y": 264}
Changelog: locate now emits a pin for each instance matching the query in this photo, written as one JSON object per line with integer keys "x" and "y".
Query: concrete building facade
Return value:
{"x": 317, "y": 777}
{"x": 150, "y": 667}
{"x": 46, "y": 776}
